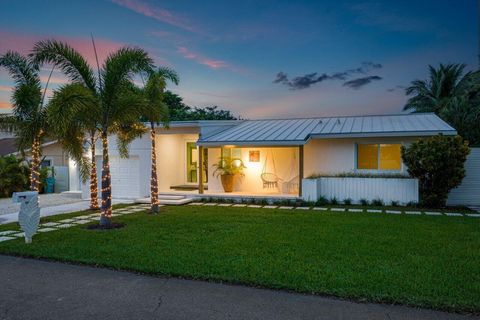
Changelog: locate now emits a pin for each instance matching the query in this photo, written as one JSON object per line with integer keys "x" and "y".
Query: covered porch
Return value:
{"x": 185, "y": 167}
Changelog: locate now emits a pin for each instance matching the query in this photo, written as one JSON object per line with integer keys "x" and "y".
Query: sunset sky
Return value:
{"x": 262, "y": 58}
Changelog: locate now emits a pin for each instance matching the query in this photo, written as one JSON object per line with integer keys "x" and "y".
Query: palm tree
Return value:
{"x": 73, "y": 114}
{"x": 28, "y": 119}
{"x": 156, "y": 112}
{"x": 120, "y": 105}
{"x": 451, "y": 94}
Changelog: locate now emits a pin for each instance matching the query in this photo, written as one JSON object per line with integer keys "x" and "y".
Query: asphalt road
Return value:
{"x": 32, "y": 289}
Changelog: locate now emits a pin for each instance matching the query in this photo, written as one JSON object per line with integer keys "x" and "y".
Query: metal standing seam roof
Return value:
{"x": 298, "y": 131}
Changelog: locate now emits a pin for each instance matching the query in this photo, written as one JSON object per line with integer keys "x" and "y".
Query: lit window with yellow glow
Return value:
{"x": 379, "y": 157}
{"x": 390, "y": 158}
{"x": 367, "y": 156}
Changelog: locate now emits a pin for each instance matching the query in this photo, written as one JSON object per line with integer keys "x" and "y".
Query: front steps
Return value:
{"x": 165, "y": 199}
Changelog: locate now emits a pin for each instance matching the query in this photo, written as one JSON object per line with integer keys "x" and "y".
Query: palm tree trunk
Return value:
{"x": 153, "y": 179}
{"x": 93, "y": 177}
{"x": 35, "y": 164}
{"x": 106, "y": 216}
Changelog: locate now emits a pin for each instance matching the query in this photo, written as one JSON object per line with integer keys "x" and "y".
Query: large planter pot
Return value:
{"x": 228, "y": 180}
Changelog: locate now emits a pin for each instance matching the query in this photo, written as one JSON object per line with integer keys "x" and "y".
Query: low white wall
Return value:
{"x": 468, "y": 193}
{"x": 402, "y": 191}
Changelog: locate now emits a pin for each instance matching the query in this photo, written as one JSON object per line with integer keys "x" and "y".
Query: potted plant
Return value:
{"x": 228, "y": 169}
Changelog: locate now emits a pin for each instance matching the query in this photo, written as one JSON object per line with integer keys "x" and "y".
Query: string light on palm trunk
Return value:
{"x": 106, "y": 185}
{"x": 153, "y": 179}
{"x": 35, "y": 164}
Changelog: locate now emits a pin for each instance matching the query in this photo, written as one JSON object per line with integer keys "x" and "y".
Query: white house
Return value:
{"x": 278, "y": 155}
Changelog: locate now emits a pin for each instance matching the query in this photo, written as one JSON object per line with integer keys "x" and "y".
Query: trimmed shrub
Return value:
{"x": 438, "y": 164}
{"x": 13, "y": 176}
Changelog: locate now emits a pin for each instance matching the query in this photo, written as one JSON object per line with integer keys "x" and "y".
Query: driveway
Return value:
{"x": 50, "y": 204}
{"x": 33, "y": 289}
{"x": 45, "y": 200}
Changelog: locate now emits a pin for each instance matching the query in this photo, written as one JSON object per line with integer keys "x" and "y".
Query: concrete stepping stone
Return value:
{"x": 4, "y": 233}
{"x": 473, "y": 215}
{"x": 338, "y": 209}
{"x": 431, "y": 213}
{"x": 270, "y": 207}
{"x": 302, "y": 208}
{"x": 374, "y": 211}
{"x": 46, "y": 229}
{"x": 82, "y": 221}
{"x": 211, "y": 204}
{"x": 50, "y": 224}
{"x": 394, "y": 212}
{"x": 239, "y": 205}
{"x": 66, "y": 221}
{"x": 18, "y": 235}
{"x": 81, "y": 217}
{"x": 224, "y": 204}
{"x": 4, "y": 238}
{"x": 453, "y": 214}
{"x": 285, "y": 207}
{"x": 196, "y": 204}
{"x": 64, "y": 226}
{"x": 254, "y": 206}
{"x": 320, "y": 208}
{"x": 355, "y": 210}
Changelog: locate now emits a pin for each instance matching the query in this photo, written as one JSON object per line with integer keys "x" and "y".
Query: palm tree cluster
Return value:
{"x": 453, "y": 95}
{"x": 90, "y": 107}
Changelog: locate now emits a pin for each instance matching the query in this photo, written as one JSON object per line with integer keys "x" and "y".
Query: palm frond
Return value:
{"x": 119, "y": 68}
{"x": 72, "y": 63}
{"x": 23, "y": 71}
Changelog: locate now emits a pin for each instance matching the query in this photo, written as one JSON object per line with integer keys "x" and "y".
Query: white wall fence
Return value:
{"x": 402, "y": 191}
{"x": 468, "y": 193}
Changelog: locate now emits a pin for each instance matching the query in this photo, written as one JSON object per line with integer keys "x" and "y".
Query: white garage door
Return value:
{"x": 125, "y": 177}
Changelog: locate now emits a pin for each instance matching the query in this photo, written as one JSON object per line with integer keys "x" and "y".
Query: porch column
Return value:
{"x": 300, "y": 170}
{"x": 200, "y": 170}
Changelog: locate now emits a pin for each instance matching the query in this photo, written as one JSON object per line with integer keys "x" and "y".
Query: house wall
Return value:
{"x": 55, "y": 153}
{"x": 139, "y": 148}
{"x": 171, "y": 158}
{"x": 286, "y": 164}
{"x": 332, "y": 156}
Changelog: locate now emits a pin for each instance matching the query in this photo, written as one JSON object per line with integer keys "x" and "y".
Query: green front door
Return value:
{"x": 192, "y": 163}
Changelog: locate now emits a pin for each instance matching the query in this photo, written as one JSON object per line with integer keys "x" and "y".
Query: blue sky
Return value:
{"x": 327, "y": 57}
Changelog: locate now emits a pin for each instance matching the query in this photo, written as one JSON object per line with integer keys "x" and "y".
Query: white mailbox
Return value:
{"x": 29, "y": 215}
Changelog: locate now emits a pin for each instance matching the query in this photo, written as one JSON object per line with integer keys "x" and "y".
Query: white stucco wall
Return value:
{"x": 339, "y": 155}
{"x": 171, "y": 159}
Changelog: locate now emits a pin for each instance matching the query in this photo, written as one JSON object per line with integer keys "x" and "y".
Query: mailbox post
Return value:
{"x": 29, "y": 215}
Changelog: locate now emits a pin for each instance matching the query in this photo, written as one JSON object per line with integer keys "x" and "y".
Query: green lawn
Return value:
{"x": 428, "y": 261}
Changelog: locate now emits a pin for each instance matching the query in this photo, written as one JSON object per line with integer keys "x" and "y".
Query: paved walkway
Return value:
{"x": 78, "y": 205}
{"x": 33, "y": 289}
{"x": 45, "y": 200}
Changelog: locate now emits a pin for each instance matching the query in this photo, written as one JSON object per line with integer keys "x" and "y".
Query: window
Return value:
{"x": 379, "y": 157}
{"x": 46, "y": 163}
{"x": 231, "y": 153}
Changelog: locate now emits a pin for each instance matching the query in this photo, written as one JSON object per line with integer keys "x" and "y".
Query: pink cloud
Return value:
{"x": 5, "y": 105}
{"x": 156, "y": 13}
{"x": 211, "y": 63}
{"x": 23, "y": 43}
{"x": 5, "y": 88}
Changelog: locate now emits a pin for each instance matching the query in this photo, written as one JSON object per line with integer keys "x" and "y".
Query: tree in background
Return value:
{"x": 179, "y": 111}
{"x": 157, "y": 111}
{"x": 438, "y": 163}
{"x": 451, "y": 94}
{"x": 119, "y": 103}
{"x": 28, "y": 119}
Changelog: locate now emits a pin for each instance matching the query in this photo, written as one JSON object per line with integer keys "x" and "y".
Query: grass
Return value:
{"x": 421, "y": 261}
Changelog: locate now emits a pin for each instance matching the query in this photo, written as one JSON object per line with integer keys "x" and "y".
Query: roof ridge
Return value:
{"x": 350, "y": 116}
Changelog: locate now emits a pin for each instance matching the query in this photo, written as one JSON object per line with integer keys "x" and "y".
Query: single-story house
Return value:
{"x": 279, "y": 155}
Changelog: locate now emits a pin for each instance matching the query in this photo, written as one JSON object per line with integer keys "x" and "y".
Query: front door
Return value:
{"x": 192, "y": 164}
